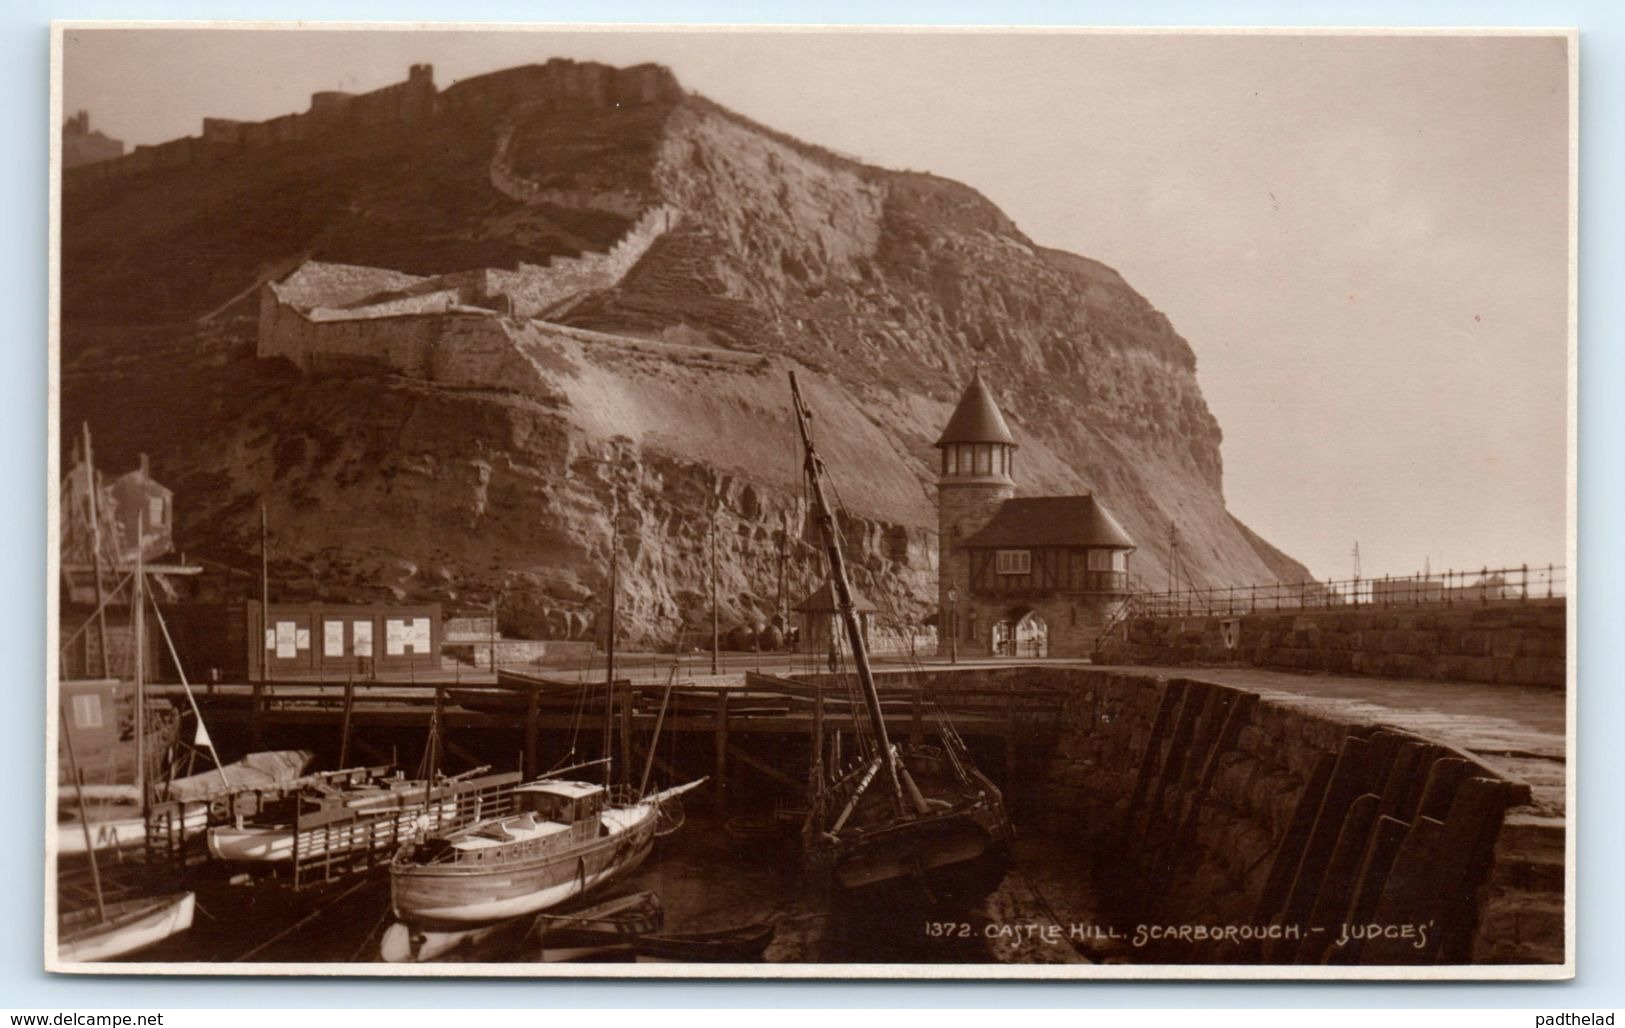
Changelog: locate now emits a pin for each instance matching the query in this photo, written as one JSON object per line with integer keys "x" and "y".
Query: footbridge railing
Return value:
{"x": 1522, "y": 584}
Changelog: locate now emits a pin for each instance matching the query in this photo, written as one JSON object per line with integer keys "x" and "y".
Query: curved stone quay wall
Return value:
{"x": 1230, "y": 826}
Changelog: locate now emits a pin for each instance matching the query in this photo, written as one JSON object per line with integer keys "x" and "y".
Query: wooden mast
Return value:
{"x": 84, "y": 814}
{"x": 609, "y": 642}
{"x": 843, "y": 597}
{"x": 138, "y": 603}
{"x": 96, "y": 555}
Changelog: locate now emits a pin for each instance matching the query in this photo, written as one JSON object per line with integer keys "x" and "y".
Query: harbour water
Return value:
{"x": 705, "y": 881}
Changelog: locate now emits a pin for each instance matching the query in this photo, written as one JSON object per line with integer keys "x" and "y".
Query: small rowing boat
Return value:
{"x": 728, "y": 945}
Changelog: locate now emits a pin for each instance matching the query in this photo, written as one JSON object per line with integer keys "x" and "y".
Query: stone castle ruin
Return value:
{"x": 82, "y": 145}
{"x": 456, "y": 328}
{"x": 402, "y": 105}
{"x": 460, "y": 327}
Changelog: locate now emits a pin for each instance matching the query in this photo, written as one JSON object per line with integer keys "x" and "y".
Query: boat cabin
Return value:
{"x": 567, "y": 803}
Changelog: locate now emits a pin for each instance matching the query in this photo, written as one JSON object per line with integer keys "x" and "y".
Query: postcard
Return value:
{"x": 831, "y": 502}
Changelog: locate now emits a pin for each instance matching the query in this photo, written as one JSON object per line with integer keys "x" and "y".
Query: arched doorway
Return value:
{"x": 1022, "y": 634}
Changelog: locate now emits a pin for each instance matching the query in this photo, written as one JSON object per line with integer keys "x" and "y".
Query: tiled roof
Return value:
{"x": 1051, "y": 521}
{"x": 977, "y": 418}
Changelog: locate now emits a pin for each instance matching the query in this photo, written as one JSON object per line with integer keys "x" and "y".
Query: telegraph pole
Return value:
{"x": 1173, "y": 555}
{"x": 265, "y": 598}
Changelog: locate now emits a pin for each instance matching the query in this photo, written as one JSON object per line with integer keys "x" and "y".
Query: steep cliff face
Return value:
{"x": 668, "y": 403}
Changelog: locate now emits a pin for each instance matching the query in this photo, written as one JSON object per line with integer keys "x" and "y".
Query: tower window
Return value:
{"x": 1013, "y": 562}
{"x": 1100, "y": 560}
{"x": 984, "y": 459}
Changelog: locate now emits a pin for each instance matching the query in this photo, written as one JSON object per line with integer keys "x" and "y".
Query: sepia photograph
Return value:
{"x": 832, "y": 502}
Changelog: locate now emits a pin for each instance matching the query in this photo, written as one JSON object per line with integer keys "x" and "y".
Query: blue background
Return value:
{"x": 25, "y": 127}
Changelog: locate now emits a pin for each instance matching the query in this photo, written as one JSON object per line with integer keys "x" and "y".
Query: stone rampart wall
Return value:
{"x": 534, "y": 289}
{"x": 1517, "y": 642}
{"x": 223, "y": 139}
{"x": 409, "y": 102}
{"x": 464, "y": 348}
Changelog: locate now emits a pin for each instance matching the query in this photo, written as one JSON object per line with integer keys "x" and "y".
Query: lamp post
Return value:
{"x": 953, "y": 625}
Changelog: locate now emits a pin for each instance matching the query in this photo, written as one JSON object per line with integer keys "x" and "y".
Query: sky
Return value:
{"x": 1365, "y": 239}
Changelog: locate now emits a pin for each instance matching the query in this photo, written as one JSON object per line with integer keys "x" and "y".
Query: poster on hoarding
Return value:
{"x": 332, "y": 638}
{"x": 287, "y": 638}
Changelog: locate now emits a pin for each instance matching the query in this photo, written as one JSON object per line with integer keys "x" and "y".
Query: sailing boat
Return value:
{"x": 111, "y": 929}
{"x": 922, "y": 826}
{"x": 563, "y": 839}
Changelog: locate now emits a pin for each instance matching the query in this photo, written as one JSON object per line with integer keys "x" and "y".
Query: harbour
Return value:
{"x": 543, "y": 521}
{"x": 709, "y": 879}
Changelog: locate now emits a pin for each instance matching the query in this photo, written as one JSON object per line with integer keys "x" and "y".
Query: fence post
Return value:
{"x": 1484, "y": 587}
{"x": 1549, "y": 580}
{"x": 1526, "y": 583}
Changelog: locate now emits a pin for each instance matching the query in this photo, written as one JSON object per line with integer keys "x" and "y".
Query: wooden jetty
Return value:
{"x": 737, "y": 718}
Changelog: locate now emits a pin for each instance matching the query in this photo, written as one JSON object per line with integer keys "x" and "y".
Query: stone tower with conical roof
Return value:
{"x": 978, "y": 460}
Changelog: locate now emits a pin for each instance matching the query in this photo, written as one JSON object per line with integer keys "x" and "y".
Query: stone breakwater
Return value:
{"x": 1512, "y": 642}
{"x": 1241, "y": 827}
{"x": 1209, "y": 806}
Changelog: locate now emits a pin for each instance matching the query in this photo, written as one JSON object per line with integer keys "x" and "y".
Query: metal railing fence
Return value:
{"x": 1484, "y": 586}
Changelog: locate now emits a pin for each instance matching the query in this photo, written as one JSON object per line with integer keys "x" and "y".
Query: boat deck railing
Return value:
{"x": 344, "y": 841}
{"x": 176, "y": 828}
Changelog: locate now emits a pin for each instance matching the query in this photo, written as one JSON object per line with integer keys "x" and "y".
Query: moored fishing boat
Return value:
{"x": 921, "y": 826}
{"x": 566, "y": 839}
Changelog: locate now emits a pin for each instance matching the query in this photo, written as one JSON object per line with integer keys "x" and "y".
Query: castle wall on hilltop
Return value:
{"x": 81, "y": 145}
{"x": 326, "y": 317}
{"x": 533, "y": 289}
{"x": 414, "y": 101}
{"x": 510, "y": 183}
{"x": 466, "y": 348}
{"x": 564, "y": 82}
